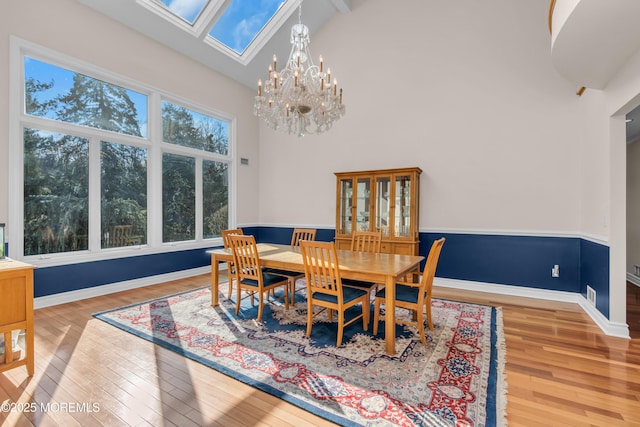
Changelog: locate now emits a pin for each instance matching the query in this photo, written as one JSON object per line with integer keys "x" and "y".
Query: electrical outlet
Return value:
{"x": 591, "y": 295}
{"x": 555, "y": 271}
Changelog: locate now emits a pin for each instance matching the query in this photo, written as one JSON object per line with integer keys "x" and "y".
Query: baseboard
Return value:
{"x": 620, "y": 330}
{"x": 80, "y": 294}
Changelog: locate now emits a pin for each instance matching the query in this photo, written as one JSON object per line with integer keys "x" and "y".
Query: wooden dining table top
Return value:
{"x": 353, "y": 265}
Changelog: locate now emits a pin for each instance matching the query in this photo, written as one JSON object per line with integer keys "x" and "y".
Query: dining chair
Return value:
{"x": 364, "y": 242}
{"x": 299, "y": 234}
{"x": 249, "y": 273}
{"x": 414, "y": 296}
{"x": 230, "y": 267}
{"x": 324, "y": 287}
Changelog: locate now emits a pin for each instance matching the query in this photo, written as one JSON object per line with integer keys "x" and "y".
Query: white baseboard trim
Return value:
{"x": 80, "y": 294}
{"x": 620, "y": 330}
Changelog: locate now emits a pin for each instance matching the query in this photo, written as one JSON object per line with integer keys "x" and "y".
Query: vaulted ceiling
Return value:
{"x": 157, "y": 21}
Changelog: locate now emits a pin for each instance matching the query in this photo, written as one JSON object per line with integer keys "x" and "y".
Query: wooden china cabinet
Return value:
{"x": 385, "y": 200}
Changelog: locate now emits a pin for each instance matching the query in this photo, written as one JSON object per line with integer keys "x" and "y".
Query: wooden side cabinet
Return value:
{"x": 385, "y": 200}
{"x": 16, "y": 313}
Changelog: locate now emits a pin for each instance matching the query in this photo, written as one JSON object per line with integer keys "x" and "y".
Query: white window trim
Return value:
{"x": 153, "y": 143}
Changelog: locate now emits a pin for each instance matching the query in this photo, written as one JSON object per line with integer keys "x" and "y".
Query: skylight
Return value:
{"x": 189, "y": 10}
{"x": 242, "y": 21}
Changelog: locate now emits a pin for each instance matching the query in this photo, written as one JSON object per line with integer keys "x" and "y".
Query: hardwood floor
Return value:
{"x": 561, "y": 370}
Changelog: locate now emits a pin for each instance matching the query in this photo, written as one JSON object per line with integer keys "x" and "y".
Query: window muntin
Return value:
{"x": 188, "y": 128}
{"x": 56, "y": 192}
{"x": 60, "y": 94}
{"x": 123, "y": 182}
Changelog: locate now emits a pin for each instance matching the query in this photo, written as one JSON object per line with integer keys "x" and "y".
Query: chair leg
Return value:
{"x": 286, "y": 296}
{"x": 376, "y": 315}
{"x": 429, "y": 318}
{"x": 340, "y": 327}
{"x": 309, "y": 317}
{"x": 260, "y": 305}
{"x": 238, "y": 290}
{"x": 421, "y": 326}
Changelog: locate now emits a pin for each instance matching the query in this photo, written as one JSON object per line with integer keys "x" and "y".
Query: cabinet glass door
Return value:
{"x": 346, "y": 198}
{"x": 383, "y": 205}
{"x": 363, "y": 204}
{"x": 403, "y": 206}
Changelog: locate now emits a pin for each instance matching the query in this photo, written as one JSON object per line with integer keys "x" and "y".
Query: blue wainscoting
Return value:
{"x": 508, "y": 260}
{"x": 500, "y": 259}
{"x": 64, "y": 278}
{"x": 594, "y": 271}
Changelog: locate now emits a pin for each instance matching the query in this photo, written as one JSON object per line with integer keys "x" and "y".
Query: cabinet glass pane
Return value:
{"x": 363, "y": 204}
{"x": 403, "y": 206}
{"x": 346, "y": 190}
{"x": 383, "y": 205}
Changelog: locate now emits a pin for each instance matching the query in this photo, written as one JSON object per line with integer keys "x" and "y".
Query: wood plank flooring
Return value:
{"x": 561, "y": 371}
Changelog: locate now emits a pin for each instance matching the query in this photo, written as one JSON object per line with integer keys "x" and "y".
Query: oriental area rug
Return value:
{"x": 457, "y": 379}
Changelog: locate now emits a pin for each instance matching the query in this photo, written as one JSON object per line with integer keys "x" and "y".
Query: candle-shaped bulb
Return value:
{"x": 270, "y": 71}
{"x": 340, "y": 96}
{"x": 320, "y": 63}
{"x": 335, "y": 86}
{"x": 329, "y": 75}
{"x": 275, "y": 61}
{"x": 295, "y": 78}
{"x": 259, "y": 87}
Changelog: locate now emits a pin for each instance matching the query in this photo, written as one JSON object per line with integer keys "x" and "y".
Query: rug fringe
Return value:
{"x": 501, "y": 360}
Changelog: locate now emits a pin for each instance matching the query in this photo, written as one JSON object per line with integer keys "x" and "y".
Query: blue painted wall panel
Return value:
{"x": 594, "y": 271}
{"x": 64, "y": 278}
{"x": 502, "y": 259}
{"x": 509, "y": 260}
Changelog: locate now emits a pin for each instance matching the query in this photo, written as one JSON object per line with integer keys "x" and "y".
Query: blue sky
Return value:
{"x": 239, "y": 24}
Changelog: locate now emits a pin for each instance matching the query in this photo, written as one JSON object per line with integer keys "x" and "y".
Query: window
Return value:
{"x": 203, "y": 141}
{"x": 56, "y": 184}
{"x": 87, "y": 182}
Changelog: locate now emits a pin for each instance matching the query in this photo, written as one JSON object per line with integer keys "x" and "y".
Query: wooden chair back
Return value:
{"x": 226, "y": 233}
{"x": 366, "y": 241}
{"x": 245, "y": 258}
{"x": 429, "y": 271}
{"x": 121, "y": 235}
{"x": 321, "y": 268}
{"x": 302, "y": 234}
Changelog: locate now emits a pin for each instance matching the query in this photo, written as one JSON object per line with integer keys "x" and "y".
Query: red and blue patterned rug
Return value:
{"x": 457, "y": 379}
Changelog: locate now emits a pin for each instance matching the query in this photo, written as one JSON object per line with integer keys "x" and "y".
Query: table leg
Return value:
{"x": 214, "y": 281}
{"x": 390, "y": 315}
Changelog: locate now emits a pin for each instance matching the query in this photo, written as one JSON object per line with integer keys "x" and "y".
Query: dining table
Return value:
{"x": 380, "y": 268}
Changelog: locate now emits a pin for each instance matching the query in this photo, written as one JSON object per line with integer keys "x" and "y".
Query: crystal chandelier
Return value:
{"x": 299, "y": 99}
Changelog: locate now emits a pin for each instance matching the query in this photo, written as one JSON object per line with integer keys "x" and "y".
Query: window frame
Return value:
{"x": 153, "y": 143}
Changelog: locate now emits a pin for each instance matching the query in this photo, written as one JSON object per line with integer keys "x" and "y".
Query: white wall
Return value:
{"x": 605, "y": 166}
{"x": 466, "y": 91}
{"x": 77, "y": 31}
